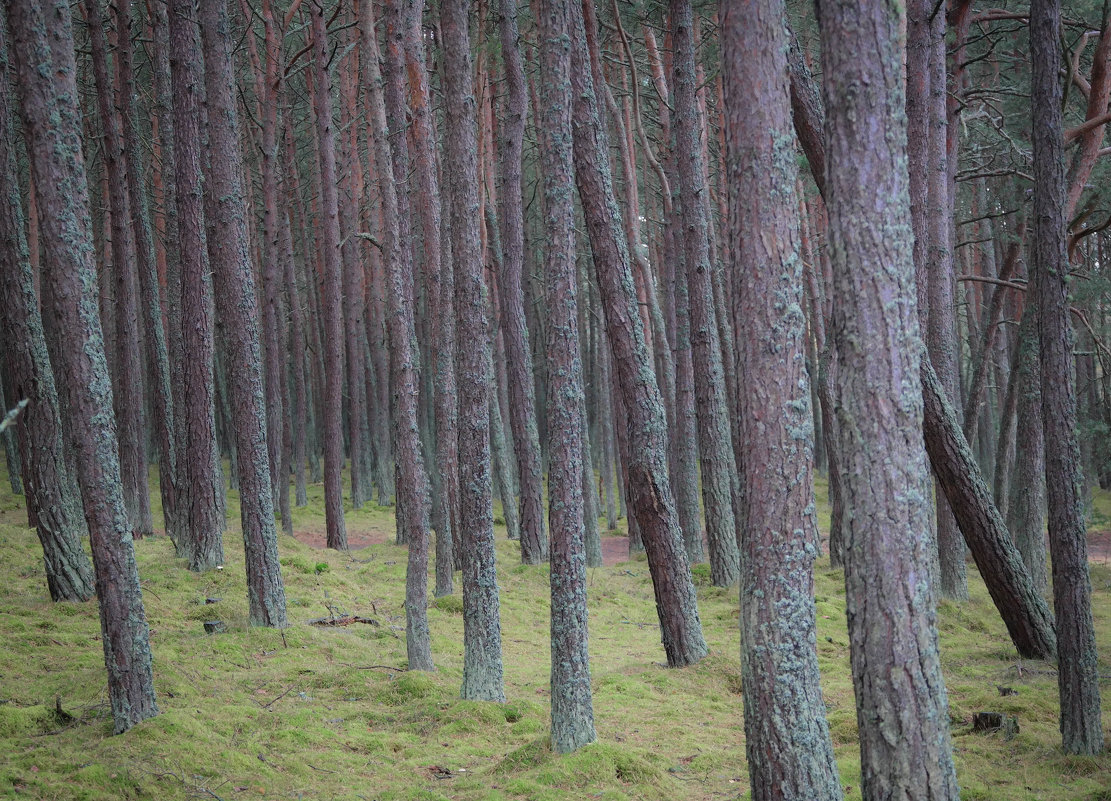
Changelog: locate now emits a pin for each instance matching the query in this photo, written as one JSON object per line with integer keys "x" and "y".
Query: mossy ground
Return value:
{"x": 315, "y": 713}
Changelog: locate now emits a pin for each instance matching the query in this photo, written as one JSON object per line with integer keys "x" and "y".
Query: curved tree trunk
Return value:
{"x": 649, "y": 486}
{"x": 46, "y": 76}
{"x": 128, "y": 394}
{"x": 47, "y": 483}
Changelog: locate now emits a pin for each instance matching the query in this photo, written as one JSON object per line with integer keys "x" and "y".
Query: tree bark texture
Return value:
{"x": 440, "y": 280}
{"x": 150, "y": 290}
{"x": 1078, "y": 661}
{"x": 482, "y": 663}
{"x": 43, "y": 48}
{"x": 572, "y": 704}
{"x": 515, "y": 333}
{"x": 902, "y": 709}
{"x": 649, "y": 487}
{"x": 237, "y": 303}
{"x": 329, "y": 244}
{"x": 128, "y": 386}
{"x": 392, "y": 164}
{"x": 941, "y": 331}
{"x": 47, "y": 484}
{"x": 1026, "y": 510}
{"x": 200, "y": 539}
{"x": 787, "y": 740}
{"x": 719, "y": 471}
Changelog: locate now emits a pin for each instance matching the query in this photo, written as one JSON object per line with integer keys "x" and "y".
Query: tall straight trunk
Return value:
{"x": 1078, "y": 661}
{"x": 300, "y": 411}
{"x": 237, "y": 304}
{"x": 52, "y": 508}
{"x": 167, "y": 148}
{"x": 719, "y": 471}
{"x": 1026, "y": 510}
{"x": 522, "y": 401}
{"x": 941, "y": 342}
{"x": 392, "y": 162}
{"x": 128, "y": 394}
{"x": 46, "y": 76}
{"x": 902, "y": 709}
{"x": 354, "y": 327}
{"x": 200, "y": 539}
{"x": 482, "y": 663}
{"x": 1025, "y": 614}
{"x": 269, "y": 84}
{"x": 572, "y": 704}
{"x": 150, "y": 290}
{"x": 787, "y": 740}
{"x": 441, "y": 285}
{"x": 332, "y": 296}
{"x": 649, "y": 486}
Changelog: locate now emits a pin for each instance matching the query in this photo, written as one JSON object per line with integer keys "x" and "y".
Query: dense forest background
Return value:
{"x": 631, "y": 276}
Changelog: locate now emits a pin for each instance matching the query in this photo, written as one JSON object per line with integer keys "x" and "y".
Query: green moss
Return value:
{"x": 332, "y": 709}
{"x": 449, "y": 603}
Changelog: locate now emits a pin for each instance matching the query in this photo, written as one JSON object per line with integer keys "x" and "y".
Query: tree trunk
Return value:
{"x": 1078, "y": 661}
{"x": 902, "y": 709}
{"x": 150, "y": 291}
{"x": 54, "y": 512}
{"x": 572, "y": 705}
{"x": 649, "y": 486}
{"x": 482, "y": 663}
{"x": 237, "y": 304}
{"x": 46, "y": 76}
{"x": 522, "y": 402}
{"x": 128, "y": 394}
{"x": 1026, "y": 510}
{"x": 778, "y": 527}
{"x": 719, "y": 471}
{"x": 332, "y": 300}
{"x": 393, "y": 174}
{"x": 201, "y": 536}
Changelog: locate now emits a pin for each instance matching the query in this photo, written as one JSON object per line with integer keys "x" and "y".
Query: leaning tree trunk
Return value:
{"x": 1025, "y": 615}
{"x": 128, "y": 390}
{"x": 783, "y": 706}
{"x": 1078, "y": 661}
{"x": 237, "y": 303}
{"x": 482, "y": 662}
{"x": 47, "y": 481}
{"x": 651, "y": 500}
{"x": 46, "y": 75}
{"x": 902, "y": 709}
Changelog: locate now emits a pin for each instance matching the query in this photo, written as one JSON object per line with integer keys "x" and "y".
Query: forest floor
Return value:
{"x": 317, "y": 712}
